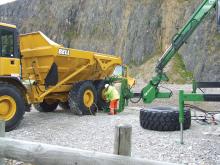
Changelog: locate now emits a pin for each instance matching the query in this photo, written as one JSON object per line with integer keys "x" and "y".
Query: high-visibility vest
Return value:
{"x": 111, "y": 93}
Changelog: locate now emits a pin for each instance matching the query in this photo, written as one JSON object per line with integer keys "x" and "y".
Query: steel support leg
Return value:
{"x": 181, "y": 133}
{"x": 181, "y": 114}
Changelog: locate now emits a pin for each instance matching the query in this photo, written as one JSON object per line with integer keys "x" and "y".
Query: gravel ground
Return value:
{"x": 97, "y": 133}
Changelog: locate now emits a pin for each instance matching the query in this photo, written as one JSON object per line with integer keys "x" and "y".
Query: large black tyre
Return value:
{"x": 101, "y": 103}
{"x": 46, "y": 106}
{"x": 64, "y": 105}
{"x": 10, "y": 92}
{"x": 76, "y": 98}
{"x": 163, "y": 119}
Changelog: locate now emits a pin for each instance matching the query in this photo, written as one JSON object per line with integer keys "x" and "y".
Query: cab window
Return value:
{"x": 118, "y": 71}
{"x": 7, "y": 43}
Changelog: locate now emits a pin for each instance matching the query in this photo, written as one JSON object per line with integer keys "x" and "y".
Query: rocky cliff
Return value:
{"x": 134, "y": 29}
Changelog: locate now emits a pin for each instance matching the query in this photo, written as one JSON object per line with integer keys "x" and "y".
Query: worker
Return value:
{"x": 112, "y": 96}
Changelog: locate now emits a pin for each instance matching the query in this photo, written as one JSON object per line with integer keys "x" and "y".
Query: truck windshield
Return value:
{"x": 7, "y": 43}
{"x": 120, "y": 71}
{"x": 117, "y": 71}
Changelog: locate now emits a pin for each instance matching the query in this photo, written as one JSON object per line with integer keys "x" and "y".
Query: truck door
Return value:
{"x": 9, "y": 54}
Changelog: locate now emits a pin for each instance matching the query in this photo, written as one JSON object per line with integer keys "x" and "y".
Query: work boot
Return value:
{"x": 111, "y": 112}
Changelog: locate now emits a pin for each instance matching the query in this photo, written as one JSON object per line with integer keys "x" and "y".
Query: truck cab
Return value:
{"x": 13, "y": 102}
{"x": 9, "y": 51}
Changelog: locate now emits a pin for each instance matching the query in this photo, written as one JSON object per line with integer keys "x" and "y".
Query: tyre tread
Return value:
{"x": 163, "y": 120}
{"x": 75, "y": 101}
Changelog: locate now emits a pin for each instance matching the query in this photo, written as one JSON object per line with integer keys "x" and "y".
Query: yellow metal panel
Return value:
{"x": 9, "y": 66}
{"x": 73, "y": 65}
{"x": 131, "y": 81}
{"x": 7, "y": 25}
{"x": 60, "y": 93}
{"x": 26, "y": 41}
{"x": 52, "y": 89}
{"x": 106, "y": 61}
{"x": 60, "y": 89}
{"x": 63, "y": 97}
{"x": 39, "y": 56}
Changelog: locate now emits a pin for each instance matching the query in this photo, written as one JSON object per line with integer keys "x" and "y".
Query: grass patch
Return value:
{"x": 176, "y": 70}
{"x": 178, "y": 73}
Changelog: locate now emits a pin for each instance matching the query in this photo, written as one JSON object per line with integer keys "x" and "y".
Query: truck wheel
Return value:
{"x": 101, "y": 103}
{"x": 46, "y": 106}
{"x": 12, "y": 106}
{"x": 65, "y": 105}
{"x": 163, "y": 119}
{"x": 82, "y": 98}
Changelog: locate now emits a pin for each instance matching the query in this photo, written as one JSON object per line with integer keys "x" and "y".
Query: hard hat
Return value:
{"x": 106, "y": 85}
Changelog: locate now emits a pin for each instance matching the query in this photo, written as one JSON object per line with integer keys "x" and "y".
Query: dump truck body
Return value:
{"x": 48, "y": 63}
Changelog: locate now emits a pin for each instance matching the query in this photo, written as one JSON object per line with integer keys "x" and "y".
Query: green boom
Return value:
{"x": 151, "y": 91}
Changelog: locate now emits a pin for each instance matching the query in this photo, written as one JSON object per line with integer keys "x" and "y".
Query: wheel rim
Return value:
{"x": 88, "y": 98}
{"x": 8, "y": 107}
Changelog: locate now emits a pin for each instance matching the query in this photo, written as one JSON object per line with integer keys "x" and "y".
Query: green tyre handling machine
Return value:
{"x": 151, "y": 91}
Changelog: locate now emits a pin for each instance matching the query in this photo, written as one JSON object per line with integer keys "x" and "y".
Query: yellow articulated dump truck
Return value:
{"x": 35, "y": 70}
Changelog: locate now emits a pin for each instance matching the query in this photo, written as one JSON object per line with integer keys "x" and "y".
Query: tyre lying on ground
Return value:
{"x": 46, "y": 106}
{"x": 12, "y": 105}
{"x": 163, "y": 119}
{"x": 83, "y": 98}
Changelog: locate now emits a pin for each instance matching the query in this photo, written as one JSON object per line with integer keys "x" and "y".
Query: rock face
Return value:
{"x": 136, "y": 30}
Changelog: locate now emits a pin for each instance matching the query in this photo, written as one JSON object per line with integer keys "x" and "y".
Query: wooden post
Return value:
{"x": 2, "y": 134}
{"x": 122, "y": 144}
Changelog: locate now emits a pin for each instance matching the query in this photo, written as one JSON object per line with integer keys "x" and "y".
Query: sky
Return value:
{"x": 5, "y": 1}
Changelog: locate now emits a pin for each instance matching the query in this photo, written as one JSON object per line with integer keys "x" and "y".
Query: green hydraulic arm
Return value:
{"x": 151, "y": 91}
